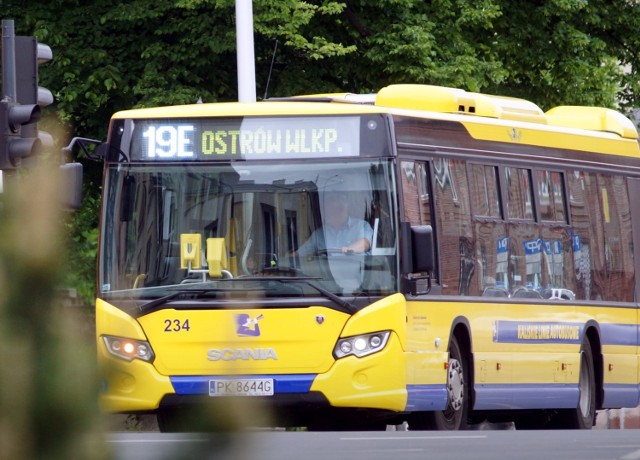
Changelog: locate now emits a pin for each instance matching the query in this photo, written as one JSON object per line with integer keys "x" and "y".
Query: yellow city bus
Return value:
{"x": 488, "y": 271}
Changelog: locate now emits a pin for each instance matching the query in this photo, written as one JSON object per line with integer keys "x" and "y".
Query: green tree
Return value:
{"x": 111, "y": 55}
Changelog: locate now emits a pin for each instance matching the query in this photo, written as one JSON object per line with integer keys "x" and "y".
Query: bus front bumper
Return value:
{"x": 376, "y": 381}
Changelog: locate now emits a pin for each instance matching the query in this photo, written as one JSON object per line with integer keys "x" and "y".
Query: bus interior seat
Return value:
{"x": 494, "y": 291}
{"x": 558, "y": 294}
{"x": 526, "y": 293}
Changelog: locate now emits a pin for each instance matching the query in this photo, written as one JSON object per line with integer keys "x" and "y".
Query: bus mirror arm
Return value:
{"x": 101, "y": 150}
{"x": 413, "y": 284}
{"x": 83, "y": 143}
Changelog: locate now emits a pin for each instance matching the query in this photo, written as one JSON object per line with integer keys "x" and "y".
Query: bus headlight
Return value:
{"x": 128, "y": 349}
{"x": 361, "y": 345}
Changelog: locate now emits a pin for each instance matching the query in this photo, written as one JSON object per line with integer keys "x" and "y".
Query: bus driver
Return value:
{"x": 340, "y": 232}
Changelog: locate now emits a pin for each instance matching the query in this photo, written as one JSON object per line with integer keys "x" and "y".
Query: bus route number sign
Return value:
{"x": 247, "y": 138}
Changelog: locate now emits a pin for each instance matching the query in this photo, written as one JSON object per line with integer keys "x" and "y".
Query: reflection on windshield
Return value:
{"x": 329, "y": 222}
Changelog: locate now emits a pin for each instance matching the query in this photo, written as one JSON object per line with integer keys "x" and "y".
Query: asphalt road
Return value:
{"x": 387, "y": 445}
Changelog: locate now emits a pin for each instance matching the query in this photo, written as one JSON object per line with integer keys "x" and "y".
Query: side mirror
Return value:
{"x": 72, "y": 183}
{"x": 419, "y": 261}
{"x": 422, "y": 249}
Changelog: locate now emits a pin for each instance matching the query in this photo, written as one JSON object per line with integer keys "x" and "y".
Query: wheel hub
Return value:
{"x": 455, "y": 384}
{"x": 585, "y": 389}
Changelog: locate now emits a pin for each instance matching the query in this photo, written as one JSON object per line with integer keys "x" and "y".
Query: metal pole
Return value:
{"x": 245, "y": 51}
{"x": 8, "y": 60}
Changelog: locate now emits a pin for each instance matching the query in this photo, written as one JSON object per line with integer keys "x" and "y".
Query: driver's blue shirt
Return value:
{"x": 329, "y": 238}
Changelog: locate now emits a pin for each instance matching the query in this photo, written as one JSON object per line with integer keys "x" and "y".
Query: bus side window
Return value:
{"x": 454, "y": 228}
{"x": 491, "y": 242}
{"x": 519, "y": 194}
{"x": 525, "y": 244}
{"x": 581, "y": 209}
{"x": 416, "y": 200}
{"x": 612, "y": 266}
{"x": 424, "y": 194}
{"x": 416, "y": 192}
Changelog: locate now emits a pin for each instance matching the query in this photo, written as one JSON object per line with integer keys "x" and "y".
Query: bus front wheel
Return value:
{"x": 454, "y": 417}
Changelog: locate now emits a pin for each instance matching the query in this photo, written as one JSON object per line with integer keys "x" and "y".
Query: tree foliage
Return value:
{"x": 111, "y": 55}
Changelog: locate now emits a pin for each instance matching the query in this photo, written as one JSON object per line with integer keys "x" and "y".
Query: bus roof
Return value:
{"x": 485, "y": 116}
{"x": 240, "y": 109}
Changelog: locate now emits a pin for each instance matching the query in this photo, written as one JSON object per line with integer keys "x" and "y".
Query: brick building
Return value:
{"x": 618, "y": 419}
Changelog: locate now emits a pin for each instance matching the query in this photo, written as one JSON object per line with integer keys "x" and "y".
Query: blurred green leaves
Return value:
{"x": 48, "y": 395}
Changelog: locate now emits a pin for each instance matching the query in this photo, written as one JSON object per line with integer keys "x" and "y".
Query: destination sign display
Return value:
{"x": 202, "y": 139}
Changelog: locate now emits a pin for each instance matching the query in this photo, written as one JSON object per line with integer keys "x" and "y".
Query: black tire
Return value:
{"x": 344, "y": 421}
{"x": 191, "y": 420}
{"x": 455, "y": 416}
{"x": 172, "y": 421}
{"x": 536, "y": 420}
{"x": 582, "y": 417}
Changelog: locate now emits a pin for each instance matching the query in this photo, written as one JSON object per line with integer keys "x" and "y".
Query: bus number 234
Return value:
{"x": 176, "y": 325}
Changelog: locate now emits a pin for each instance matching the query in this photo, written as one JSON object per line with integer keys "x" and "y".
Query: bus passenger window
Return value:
{"x": 618, "y": 274}
{"x": 550, "y": 186}
{"x": 582, "y": 232}
{"x": 520, "y": 198}
{"x": 524, "y": 256}
{"x": 415, "y": 186}
{"x": 601, "y": 237}
{"x": 492, "y": 249}
{"x": 484, "y": 191}
{"x": 425, "y": 193}
{"x": 454, "y": 228}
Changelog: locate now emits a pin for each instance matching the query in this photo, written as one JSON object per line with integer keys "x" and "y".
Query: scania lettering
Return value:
{"x": 228, "y": 354}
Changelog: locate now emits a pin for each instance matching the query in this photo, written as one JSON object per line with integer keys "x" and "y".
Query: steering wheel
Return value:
{"x": 283, "y": 270}
{"x": 333, "y": 252}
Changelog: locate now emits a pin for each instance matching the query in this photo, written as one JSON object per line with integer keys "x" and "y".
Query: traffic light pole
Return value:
{"x": 8, "y": 60}
{"x": 8, "y": 79}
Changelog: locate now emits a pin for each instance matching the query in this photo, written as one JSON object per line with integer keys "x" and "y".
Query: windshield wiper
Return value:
{"x": 346, "y": 306}
{"x": 150, "y": 305}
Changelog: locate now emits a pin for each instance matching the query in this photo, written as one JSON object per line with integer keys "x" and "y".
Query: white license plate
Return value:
{"x": 241, "y": 387}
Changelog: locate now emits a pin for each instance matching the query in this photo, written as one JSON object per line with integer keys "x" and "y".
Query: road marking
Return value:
{"x": 404, "y": 438}
{"x": 138, "y": 441}
{"x": 631, "y": 456}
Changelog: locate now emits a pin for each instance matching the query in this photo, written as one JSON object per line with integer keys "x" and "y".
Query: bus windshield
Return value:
{"x": 330, "y": 223}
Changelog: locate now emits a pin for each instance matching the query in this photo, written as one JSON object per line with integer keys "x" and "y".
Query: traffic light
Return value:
{"x": 14, "y": 147}
{"x": 20, "y": 108}
{"x": 29, "y": 55}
